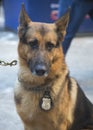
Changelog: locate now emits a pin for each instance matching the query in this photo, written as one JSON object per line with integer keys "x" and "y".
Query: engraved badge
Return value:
{"x": 46, "y": 101}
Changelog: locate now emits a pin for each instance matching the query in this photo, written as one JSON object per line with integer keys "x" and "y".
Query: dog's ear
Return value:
{"x": 24, "y": 18}
{"x": 62, "y": 23}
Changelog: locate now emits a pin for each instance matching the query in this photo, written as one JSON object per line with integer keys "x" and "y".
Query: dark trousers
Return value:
{"x": 78, "y": 12}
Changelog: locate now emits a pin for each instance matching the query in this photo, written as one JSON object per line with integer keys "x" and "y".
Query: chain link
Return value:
{"x": 13, "y": 63}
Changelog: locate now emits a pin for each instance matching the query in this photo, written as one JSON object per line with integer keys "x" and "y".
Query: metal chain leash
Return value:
{"x": 12, "y": 63}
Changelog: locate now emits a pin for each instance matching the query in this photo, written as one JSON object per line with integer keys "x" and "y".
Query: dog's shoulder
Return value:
{"x": 83, "y": 112}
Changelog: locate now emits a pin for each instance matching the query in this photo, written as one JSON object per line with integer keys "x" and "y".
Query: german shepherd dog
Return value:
{"x": 46, "y": 97}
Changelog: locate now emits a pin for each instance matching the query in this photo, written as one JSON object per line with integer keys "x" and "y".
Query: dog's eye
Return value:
{"x": 49, "y": 46}
{"x": 34, "y": 44}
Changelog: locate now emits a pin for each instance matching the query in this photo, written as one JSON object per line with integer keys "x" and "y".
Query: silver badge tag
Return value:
{"x": 46, "y": 101}
{"x": 46, "y": 104}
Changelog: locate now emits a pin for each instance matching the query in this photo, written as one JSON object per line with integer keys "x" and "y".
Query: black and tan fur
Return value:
{"x": 42, "y": 65}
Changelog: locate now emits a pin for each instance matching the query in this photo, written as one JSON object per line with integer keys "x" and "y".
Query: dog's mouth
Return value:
{"x": 39, "y": 69}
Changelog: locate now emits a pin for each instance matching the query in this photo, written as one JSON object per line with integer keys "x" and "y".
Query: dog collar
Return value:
{"x": 45, "y": 102}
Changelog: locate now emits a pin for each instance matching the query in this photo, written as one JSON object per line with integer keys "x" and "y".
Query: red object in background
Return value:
{"x": 54, "y": 15}
{"x": 87, "y": 17}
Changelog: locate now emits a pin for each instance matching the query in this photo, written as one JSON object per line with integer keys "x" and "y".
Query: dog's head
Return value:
{"x": 40, "y": 44}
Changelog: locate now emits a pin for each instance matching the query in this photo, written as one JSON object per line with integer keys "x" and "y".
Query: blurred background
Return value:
{"x": 79, "y": 57}
{"x": 42, "y": 11}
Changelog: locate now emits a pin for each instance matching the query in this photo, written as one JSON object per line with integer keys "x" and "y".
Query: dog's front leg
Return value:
{"x": 63, "y": 126}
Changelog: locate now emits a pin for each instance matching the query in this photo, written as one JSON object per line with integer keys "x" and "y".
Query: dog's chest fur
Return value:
{"x": 59, "y": 117}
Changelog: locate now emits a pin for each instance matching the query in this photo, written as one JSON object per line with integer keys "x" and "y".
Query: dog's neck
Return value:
{"x": 48, "y": 91}
{"x": 34, "y": 88}
{"x": 47, "y": 84}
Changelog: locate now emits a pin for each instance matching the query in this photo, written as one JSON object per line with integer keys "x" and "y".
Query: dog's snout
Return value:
{"x": 40, "y": 70}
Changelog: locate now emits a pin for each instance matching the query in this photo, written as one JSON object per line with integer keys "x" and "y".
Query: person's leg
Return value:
{"x": 78, "y": 12}
{"x": 91, "y": 13}
{"x": 63, "y": 6}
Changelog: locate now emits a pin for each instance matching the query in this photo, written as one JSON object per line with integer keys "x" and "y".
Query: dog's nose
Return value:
{"x": 40, "y": 70}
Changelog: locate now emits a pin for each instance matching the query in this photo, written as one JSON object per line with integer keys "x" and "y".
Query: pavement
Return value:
{"x": 79, "y": 60}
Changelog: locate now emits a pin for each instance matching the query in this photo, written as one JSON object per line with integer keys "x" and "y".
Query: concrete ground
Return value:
{"x": 79, "y": 60}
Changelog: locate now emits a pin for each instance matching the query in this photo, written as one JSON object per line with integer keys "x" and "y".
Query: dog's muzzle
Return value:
{"x": 39, "y": 68}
